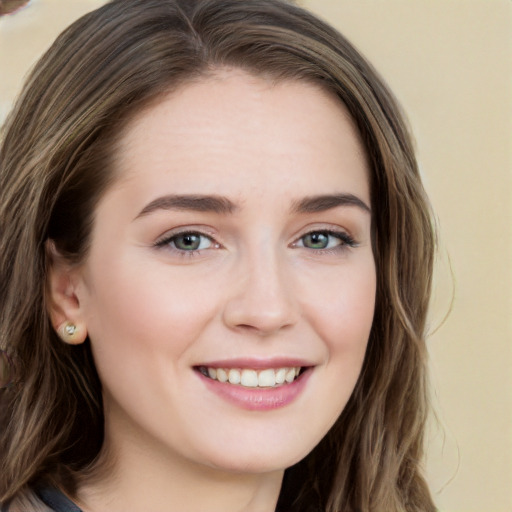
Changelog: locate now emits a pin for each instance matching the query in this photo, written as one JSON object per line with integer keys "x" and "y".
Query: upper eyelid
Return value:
{"x": 329, "y": 228}
{"x": 171, "y": 233}
{"x": 337, "y": 233}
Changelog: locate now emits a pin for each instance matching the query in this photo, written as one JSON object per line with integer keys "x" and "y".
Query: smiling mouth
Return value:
{"x": 250, "y": 378}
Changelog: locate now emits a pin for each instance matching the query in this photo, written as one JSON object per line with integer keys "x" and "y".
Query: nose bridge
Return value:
{"x": 262, "y": 300}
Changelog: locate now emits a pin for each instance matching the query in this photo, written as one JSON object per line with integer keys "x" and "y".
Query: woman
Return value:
{"x": 215, "y": 264}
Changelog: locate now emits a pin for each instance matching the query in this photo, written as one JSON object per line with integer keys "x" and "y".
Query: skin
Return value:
{"x": 256, "y": 288}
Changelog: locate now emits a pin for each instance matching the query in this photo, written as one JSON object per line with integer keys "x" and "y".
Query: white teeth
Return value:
{"x": 290, "y": 375}
{"x": 234, "y": 376}
{"x": 249, "y": 378}
{"x": 268, "y": 378}
{"x": 280, "y": 375}
{"x": 222, "y": 375}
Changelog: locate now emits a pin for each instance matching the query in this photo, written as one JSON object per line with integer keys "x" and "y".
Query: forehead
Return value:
{"x": 232, "y": 124}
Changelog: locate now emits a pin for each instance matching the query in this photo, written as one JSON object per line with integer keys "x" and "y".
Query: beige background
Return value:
{"x": 450, "y": 64}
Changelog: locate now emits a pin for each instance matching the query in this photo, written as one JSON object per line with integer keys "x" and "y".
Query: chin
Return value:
{"x": 259, "y": 459}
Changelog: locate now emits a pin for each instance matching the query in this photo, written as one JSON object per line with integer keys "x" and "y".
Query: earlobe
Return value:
{"x": 71, "y": 333}
{"x": 63, "y": 305}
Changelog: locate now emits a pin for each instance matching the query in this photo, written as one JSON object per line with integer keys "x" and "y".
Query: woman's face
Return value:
{"x": 234, "y": 245}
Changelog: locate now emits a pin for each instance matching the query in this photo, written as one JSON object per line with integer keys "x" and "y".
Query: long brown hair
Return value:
{"x": 57, "y": 149}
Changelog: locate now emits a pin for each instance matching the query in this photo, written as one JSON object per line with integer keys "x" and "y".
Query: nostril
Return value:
{"x": 260, "y": 329}
{"x": 247, "y": 327}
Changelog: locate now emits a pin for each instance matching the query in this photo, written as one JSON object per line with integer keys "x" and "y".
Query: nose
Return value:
{"x": 261, "y": 298}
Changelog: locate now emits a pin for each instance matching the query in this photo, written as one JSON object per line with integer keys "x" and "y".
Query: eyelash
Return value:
{"x": 346, "y": 241}
{"x": 169, "y": 242}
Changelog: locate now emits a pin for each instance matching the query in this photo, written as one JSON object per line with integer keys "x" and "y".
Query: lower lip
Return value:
{"x": 258, "y": 399}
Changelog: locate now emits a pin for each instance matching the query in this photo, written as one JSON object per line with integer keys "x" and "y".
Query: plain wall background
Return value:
{"x": 450, "y": 64}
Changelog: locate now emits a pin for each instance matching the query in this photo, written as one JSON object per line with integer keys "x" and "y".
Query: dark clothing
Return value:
{"x": 54, "y": 499}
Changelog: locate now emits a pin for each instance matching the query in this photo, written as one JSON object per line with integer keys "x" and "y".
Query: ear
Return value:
{"x": 63, "y": 305}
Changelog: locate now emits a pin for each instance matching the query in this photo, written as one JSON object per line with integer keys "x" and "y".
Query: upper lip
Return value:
{"x": 257, "y": 363}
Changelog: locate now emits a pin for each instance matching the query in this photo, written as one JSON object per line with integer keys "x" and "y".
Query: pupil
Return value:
{"x": 317, "y": 240}
{"x": 188, "y": 242}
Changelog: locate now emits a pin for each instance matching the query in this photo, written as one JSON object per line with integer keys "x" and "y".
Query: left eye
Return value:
{"x": 321, "y": 240}
{"x": 190, "y": 241}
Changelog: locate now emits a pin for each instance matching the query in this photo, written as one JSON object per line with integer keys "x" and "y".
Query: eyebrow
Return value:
{"x": 198, "y": 203}
{"x": 222, "y": 205}
{"x": 322, "y": 203}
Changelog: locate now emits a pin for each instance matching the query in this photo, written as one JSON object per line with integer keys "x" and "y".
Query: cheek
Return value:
{"x": 342, "y": 309}
{"x": 341, "y": 314}
{"x": 144, "y": 310}
{"x": 347, "y": 326}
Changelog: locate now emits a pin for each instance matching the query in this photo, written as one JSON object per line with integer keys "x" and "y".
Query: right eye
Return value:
{"x": 186, "y": 242}
{"x": 191, "y": 241}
